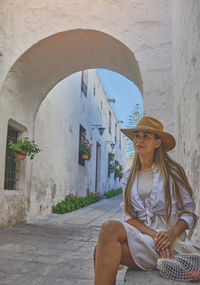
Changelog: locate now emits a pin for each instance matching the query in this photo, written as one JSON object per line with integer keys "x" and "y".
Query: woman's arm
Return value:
{"x": 165, "y": 239}
{"x": 164, "y": 253}
{"x": 142, "y": 227}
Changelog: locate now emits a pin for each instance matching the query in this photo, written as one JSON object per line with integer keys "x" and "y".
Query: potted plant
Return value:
{"x": 117, "y": 172}
{"x": 111, "y": 168}
{"x": 121, "y": 167}
{"x": 85, "y": 149}
{"x": 24, "y": 147}
{"x": 116, "y": 162}
{"x": 120, "y": 174}
{"x": 111, "y": 155}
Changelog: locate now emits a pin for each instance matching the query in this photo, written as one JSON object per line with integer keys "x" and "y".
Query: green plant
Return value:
{"x": 132, "y": 121}
{"x": 111, "y": 166}
{"x": 120, "y": 174}
{"x": 74, "y": 202}
{"x": 86, "y": 146}
{"x": 120, "y": 167}
{"x": 113, "y": 192}
{"x": 116, "y": 162}
{"x": 25, "y": 144}
{"x": 111, "y": 155}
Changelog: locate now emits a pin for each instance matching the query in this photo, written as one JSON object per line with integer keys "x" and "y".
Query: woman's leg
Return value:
{"x": 111, "y": 250}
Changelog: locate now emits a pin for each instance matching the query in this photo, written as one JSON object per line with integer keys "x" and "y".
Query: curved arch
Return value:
{"x": 52, "y": 59}
{"x": 46, "y": 63}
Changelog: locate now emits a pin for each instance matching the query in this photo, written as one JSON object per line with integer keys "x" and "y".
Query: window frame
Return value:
{"x": 82, "y": 137}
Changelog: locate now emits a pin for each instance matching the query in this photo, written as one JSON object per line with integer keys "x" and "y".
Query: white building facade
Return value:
{"x": 72, "y": 112}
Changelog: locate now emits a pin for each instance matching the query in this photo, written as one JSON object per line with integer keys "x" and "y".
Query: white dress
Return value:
{"x": 151, "y": 211}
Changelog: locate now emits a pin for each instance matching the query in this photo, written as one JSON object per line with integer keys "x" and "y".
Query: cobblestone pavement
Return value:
{"x": 55, "y": 249}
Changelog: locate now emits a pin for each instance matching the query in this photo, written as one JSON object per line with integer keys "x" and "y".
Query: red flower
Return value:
{"x": 90, "y": 144}
{"x": 86, "y": 140}
{"x": 87, "y": 148}
{"x": 73, "y": 196}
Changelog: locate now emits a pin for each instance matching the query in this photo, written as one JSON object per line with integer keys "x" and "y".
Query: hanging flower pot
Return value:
{"x": 120, "y": 174}
{"x": 85, "y": 149}
{"x": 116, "y": 163}
{"x": 20, "y": 155}
{"x": 86, "y": 156}
{"x": 24, "y": 147}
{"x": 111, "y": 168}
{"x": 111, "y": 156}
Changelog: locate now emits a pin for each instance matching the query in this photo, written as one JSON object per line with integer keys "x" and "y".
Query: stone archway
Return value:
{"x": 36, "y": 72}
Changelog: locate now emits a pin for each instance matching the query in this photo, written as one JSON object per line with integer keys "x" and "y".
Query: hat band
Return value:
{"x": 148, "y": 128}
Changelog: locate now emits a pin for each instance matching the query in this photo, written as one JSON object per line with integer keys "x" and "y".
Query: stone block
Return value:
{"x": 141, "y": 277}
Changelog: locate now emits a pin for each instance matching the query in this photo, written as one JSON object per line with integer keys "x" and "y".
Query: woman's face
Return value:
{"x": 145, "y": 143}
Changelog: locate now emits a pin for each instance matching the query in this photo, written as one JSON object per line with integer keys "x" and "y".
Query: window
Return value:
{"x": 82, "y": 137}
{"x": 109, "y": 122}
{"x": 10, "y": 165}
{"x": 119, "y": 140}
{"x": 84, "y": 80}
{"x": 94, "y": 91}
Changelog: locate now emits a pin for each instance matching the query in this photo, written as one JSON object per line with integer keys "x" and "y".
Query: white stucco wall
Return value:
{"x": 43, "y": 42}
{"x": 186, "y": 37}
{"x": 56, "y": 171}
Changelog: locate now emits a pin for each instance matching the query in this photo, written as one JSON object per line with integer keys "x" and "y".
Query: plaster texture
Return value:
{"x": 186, "y": 60}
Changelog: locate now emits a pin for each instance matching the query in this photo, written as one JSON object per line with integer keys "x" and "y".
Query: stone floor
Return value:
{"x": 55, "y": 249}
{"x": 58, "y": 249}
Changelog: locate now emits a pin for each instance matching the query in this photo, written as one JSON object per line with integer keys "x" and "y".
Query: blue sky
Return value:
{"x": 125, "y": 93}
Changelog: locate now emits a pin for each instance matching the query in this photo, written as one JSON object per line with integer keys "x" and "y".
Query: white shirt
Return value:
{"x": 145, "y": 183}
{"x": 155, "y": 204}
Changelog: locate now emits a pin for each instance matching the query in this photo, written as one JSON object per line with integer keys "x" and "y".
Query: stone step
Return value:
{"x": 140, "y": 277}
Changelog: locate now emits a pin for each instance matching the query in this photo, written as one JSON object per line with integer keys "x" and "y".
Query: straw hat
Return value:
{"x": 152, "y": 125}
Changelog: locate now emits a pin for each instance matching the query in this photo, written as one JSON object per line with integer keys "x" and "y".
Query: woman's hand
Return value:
{"x": 163, "y": 239}
{"x": 168, "y": 252}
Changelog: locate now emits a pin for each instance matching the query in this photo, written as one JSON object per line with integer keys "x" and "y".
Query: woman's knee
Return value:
{"x": 112, "y": 231}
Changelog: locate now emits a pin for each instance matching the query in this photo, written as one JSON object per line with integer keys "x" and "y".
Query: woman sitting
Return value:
{"x": 158, "y": 207}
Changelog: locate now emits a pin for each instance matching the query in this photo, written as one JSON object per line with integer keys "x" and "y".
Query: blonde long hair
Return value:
{"x": 170, "y": 170}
